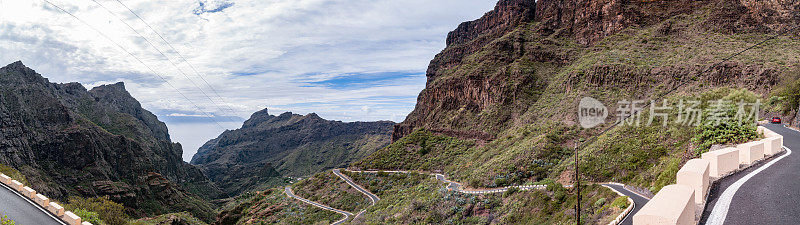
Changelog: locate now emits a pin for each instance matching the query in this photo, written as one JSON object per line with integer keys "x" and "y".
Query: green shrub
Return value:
{"x": 600, "y": 202}
{"x": 110, "y": 212}
{"x": 786, "y": 98}
{"x": 729, "y": 130}
{"x": 620, "y": 202}
{"x": 88, "y": 216}
{"x": 510, "y": 191}
{"x": 6, "y": 221}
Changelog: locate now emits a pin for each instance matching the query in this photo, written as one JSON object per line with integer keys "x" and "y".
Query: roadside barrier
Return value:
{"x": 674, "y": 204}
{"x": 625, "y": 212}
{"x": 42, "y": 201}
{"x": 683, "y": 202}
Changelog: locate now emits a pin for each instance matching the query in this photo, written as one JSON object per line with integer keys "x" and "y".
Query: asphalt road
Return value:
{"x": 22, "y": 211}
{"x": 346, "y": 214}
{"x": 769, "y": 194}
{"x": 638, "y": 201}
{"x": 455, "y": 186}
{"x": 349, "y": 181}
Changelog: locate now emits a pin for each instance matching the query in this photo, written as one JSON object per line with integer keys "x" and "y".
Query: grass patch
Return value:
{"x": 328, "y": 189}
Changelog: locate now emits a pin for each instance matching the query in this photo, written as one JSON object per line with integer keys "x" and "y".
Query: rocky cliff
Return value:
{"x": 70, "y": 141}
{"x": 500, "y": 102}
{"x": 493, "y": 68}
{"x": 269, "y": 147}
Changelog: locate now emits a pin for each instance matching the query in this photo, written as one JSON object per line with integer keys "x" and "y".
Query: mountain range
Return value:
{"x": 267, "y": 148}
{"x": 67, "y": 140}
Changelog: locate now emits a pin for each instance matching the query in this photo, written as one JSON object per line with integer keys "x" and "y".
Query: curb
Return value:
{"x": 41, "y": 202}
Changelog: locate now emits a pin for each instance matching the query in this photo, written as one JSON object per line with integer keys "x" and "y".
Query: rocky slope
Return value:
{"x": 268, "y": 147}
{"x": 70, "y": 141}
{"x": 499, "y": 106}
{"x": 493, "y": 68}
{"x": 500, "y": 102}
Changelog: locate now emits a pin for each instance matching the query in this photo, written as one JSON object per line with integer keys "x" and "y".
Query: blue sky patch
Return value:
{"x": 212, "y": 6}
{"x": 362, "y": 80}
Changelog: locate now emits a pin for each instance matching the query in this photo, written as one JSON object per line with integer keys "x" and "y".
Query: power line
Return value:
{"x": 180, "y": 55}
{"x": 162, "y": 54}
{"x": 137, "y": 59}
{"x": 596, "y": 137}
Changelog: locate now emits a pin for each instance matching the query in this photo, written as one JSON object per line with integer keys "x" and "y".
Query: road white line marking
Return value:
{"x": 720, "y": 211}
{"x": 33, "y": 203}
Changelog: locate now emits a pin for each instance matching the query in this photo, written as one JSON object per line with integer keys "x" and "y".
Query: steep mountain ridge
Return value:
{"x": 70, "y": 141}
{"x": 268, "y": 147}
{"x": 513, "y": 51}
{"x": 501, "y": 107}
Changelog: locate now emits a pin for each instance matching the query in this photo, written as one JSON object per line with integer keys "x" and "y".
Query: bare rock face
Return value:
{"x": 495, "y": 66}
{"x": 507, "y": 15}
{"x": 70, "y": 141}
{"x": 267, "y": 147}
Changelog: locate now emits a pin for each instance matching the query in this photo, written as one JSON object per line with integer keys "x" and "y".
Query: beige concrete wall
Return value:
{"x": 769, "y": 133}
{"x": 750, "y": 152}
{"x": 722, "y": 161}
{"x": 28, "y": 192}
{"x": 5, "y": 179}
{"x": 772, "y": 145}
{"x": 42, "y": 200}
{"x": 56, "y": 209}
{"x": 695, "y": 174}
{"x": 16, "y": 185}
{"x": 674, "y": 204}
{"x": 70, "y": 218}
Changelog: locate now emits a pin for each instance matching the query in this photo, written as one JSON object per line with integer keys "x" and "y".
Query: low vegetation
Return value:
{"x": 272, "y": 206}
{"x": 328, "y": 189}
{"x": 13, "y": 173}
{"x": 4, "y": 220}
{"x": 97, "y": 210}
{"x": 182, "y": 218}
{"x": 420, "y": 199}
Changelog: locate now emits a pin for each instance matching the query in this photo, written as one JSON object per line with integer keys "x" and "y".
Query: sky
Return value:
{"x": 203, "y": 66}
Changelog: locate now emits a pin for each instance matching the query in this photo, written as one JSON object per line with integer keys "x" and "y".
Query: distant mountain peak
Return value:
{"x": 288, "y": 142}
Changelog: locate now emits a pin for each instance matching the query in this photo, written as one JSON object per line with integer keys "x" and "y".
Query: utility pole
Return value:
{"x": 577, "y": 187}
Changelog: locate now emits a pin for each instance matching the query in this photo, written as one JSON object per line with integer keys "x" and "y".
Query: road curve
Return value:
{"x": 458, "y": 187}
{"x": 374, "y": 198}
{"x": 346, "y": 214}
{"x": 22, "y": 210}
{"x": 638, "y": 201}
{"x": 765, "y": 194}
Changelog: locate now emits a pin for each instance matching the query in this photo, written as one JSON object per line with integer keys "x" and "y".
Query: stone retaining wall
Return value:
{"x": 44, "y": 202}
{"x": 680, "y": 203}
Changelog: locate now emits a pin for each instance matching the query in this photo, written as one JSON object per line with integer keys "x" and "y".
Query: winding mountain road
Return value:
{"x": 453, "y": 186}
{"x": 638, "y": 201}
{"x": 764, "y": 194}
{"x": 22, "y": 210}
{"x": 346, "y": 214}
{"x": 374, "y": 198}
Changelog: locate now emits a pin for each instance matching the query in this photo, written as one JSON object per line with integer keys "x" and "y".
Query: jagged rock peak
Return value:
{"x": 17, "y": 64}
{"x": 19, "y": 72}
{"x": 506, "y": 15}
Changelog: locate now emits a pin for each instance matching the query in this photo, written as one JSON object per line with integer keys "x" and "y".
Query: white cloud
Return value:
{"x": 187, "y": 115}
{"x": 256, "y": 54}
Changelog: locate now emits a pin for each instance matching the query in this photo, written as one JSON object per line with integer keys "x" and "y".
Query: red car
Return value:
{"x": 776, "y": 120}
